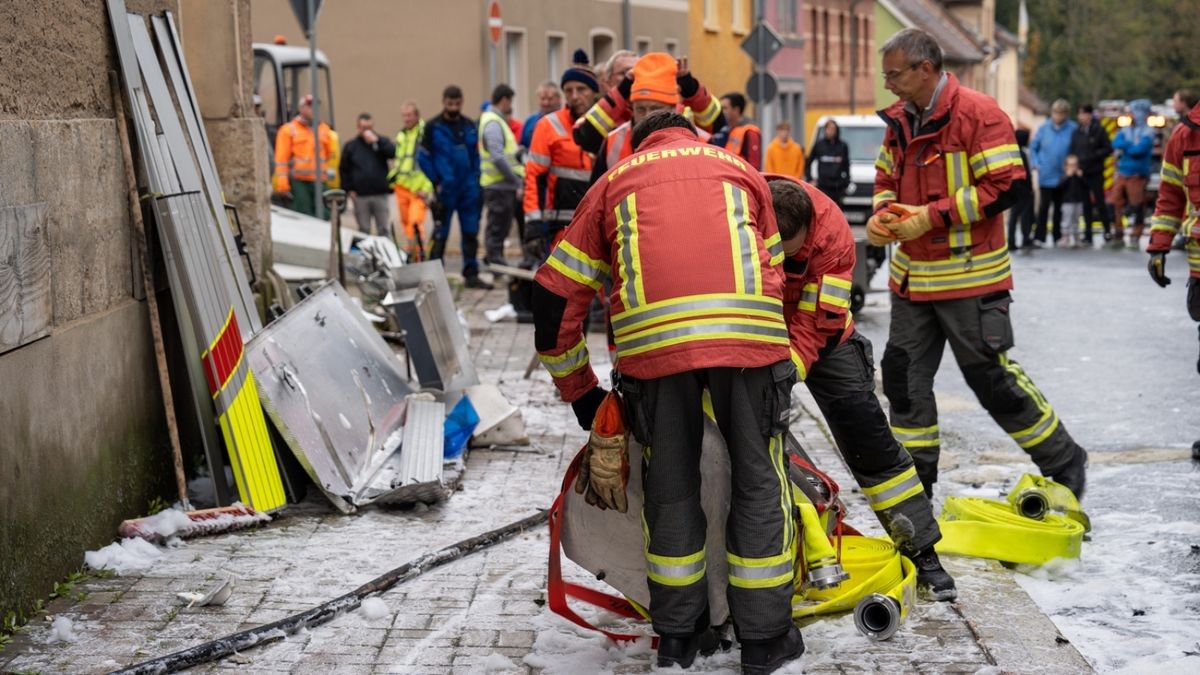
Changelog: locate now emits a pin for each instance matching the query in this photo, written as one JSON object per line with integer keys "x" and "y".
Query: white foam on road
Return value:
{"x": 128, "y": 555}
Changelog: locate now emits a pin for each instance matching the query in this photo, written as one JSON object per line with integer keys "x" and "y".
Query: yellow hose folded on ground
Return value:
{"x": 875, "y": 566}
{"x": 986, "y": 528}
{"x": 1035, "y": 496}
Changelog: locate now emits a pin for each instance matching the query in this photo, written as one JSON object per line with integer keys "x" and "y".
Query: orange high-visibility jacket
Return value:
{"x": 553, "y": 153}
{"x": 745, "y": 141}
{"x": 964, "y": 163}
{"x": 294, "y": 156}
{"x": 687, "y": 232}
{"x": 816, "y": 294}
{"x": 1178, "y": 203}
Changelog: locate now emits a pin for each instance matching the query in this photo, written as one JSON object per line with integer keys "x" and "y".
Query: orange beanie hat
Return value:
{"x": 654, "y": 79}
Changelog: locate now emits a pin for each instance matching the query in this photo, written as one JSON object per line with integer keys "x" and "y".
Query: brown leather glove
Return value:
{"x": 913, "y": 221}
{"x": 604, "y": 473}
{"x": 877, "y": 231}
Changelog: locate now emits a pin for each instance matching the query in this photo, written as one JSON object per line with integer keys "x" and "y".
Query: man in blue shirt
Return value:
{"x": 1047, "y": 152}
{"x": 549, "y": 100}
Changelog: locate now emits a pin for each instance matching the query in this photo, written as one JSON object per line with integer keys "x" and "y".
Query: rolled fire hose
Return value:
{"x": 881, "y": 588}
{"x": 986, "y": 528}
{"x": 1035, "y": 496}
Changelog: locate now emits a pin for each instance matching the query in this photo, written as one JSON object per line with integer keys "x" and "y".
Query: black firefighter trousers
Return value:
{"x": 980, "y": 334}
{"x": 751, "y": 408}
{"x": 843, "y": 384}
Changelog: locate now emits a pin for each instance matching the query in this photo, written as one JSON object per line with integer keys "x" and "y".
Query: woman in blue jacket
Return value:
{"x": 1047, "y": 152}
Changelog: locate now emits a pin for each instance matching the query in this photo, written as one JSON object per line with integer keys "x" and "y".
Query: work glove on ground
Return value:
{"x": 877, "y": 230}
{"x": 911, "y": 221}
{"x": 1157, "y": 267}
{"x": 585, "y": 406}
{"x": 604, "y": 473}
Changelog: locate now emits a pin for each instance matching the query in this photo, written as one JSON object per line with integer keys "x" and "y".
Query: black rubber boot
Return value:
{"x": 1196, "y": 451}
{"x": 474, "y": 281}
{"x": 933, "y": 581}
{"x": 760, "y": 657}
{"x": 437, "y": 249}
{"x": 1074, "y": 475}
{"x": 681, "y": 650}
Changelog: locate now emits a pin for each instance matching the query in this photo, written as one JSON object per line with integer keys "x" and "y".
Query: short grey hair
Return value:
{"x": 549, "y": 85}
{"x": 1061, "y": 105}
{"x": 916, "y": 45}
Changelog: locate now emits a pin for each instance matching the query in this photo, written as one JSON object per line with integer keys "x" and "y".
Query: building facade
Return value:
{"x": 839, "y": 58}
{"x": 383, "y": 54}
{"x": 716, "y": 30}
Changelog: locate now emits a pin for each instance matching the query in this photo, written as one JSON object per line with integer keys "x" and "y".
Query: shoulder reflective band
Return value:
{"x": 986, "y": 528}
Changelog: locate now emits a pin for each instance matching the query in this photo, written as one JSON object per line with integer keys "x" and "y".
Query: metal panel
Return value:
{"x": 425, "y": 311}
{"x": 336, "y": 392}
{"x": 25, "y": 301}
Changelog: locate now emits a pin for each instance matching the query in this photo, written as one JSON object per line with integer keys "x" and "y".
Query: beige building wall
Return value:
{"x": 1008, "y": 73}
{"x": 384, "y": 53}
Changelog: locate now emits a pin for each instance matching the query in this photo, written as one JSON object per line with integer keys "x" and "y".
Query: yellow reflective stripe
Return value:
{"x": 726, "y": 328}
{"x": 730, "y": 302}
{"x": 675, "y": 571}
{"x": 801, "y": 369}
{"x": 835, "y": 291}
{"x": 766, "y": 572}
{"x": 774, "y": 244}
{"x": 976, "y": 277}
{"x": 808, "y": 298}
{"x": 917, "y": 437}
{"x": 883, "y": 162}
{"x": 1027, "y": 438}
{"x": 693, "y": 311}
{"x": 706, "y": 117}
{"x": 1162, "y": 222}
{"x": 568, "y": 362}
{"x": 743, "y": 241}
{"x": 894, "y": 490}
{"x": 995, "y": 158}
{"x": 629, "y": 261}
{"x": 948, "y": 267}
{"x": 967, "y": 201}
{"x": 601, "y": 120}
{"x": 578, "y": 266}
{"x": 881, "y": 197}
{"x": 1172, "y": 174}
{"x": 775, "y": 449}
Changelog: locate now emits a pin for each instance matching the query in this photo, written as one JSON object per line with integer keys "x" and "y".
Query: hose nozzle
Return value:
{"x": 1032, "y": 503}
{"x": 827, "y": 574}
{"x": 877, "y": 616}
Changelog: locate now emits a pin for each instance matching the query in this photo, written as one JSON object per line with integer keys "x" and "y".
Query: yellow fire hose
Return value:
{"x": 986, "y": 528}
{"x": 1035, "y": 496}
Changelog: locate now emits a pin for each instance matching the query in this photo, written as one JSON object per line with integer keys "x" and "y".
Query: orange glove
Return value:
{"x": 913, "y": 221}
{"x": 877, "y": 228}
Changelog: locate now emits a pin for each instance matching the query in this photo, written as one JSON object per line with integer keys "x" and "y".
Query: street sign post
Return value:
{"x": 762, "y": 44}
{"x": 762, "y": 87}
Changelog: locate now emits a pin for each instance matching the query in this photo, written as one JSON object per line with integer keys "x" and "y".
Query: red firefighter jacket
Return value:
{"x": 964, "y": 163}
{"x": 687, "y": 233}
{"x": 1179, "y": 194}
{"x": 614, "y": 109}
{"x": 816, "y": 293}
{"x": 567, "y": 168}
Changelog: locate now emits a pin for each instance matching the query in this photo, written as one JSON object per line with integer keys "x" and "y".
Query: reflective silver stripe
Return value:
{"x": 1030, "y": 435}
{"x": 568, "y": 362}
{"x": 578, "y": 266}
{"x": 894, "y": 491}
{"x": 776, "y": 250}
{"x": 533, "y": 215}
{"x": 625, "y": 224}
{"x": 835, "y": 291}
{"x": 964, "y": 280}
{"x": 703, "y": 329}
{"x": 624, "y": 319}
{"x": 906, "y": 437}
{"x": 998, "y": 159}
{"x": 560, "y": 215}
{"x": 1170, "y": 174}
{"x": 937, "y": 267}
{"x": 572, "y": 174}
{"x": 744, "y": 572}
{"x": 557, "y": 124}
{"x": 745, "y": 239}
{"x": 534, "y": 157}
{"x": 676, "y": 571}
{"x": 809, "y": 298}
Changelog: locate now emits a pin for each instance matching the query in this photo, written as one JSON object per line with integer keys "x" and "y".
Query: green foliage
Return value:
{"x": 1088, "y": 50}
{"x": 157, "y": 505}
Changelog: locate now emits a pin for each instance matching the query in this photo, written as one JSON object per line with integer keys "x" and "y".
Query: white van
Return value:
{"x": 863, "y": 134}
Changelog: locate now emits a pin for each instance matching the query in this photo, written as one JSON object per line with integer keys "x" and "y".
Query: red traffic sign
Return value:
{"x": 494, "y": 22}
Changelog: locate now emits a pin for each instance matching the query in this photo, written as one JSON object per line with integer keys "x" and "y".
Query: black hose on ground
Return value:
{"x": 222, "y": 647}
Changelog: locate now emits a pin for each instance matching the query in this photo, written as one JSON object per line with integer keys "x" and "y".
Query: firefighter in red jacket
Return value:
{"x": 656, "y": 82}
{"x": 557, "y": 171}
{"x": 835, "y": 361}
{"x": 681, "y": 328}
{"x": 950, "y": 164}
{"x": 1178, "y": 207}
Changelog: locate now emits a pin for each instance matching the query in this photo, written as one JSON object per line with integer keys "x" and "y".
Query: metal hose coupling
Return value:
{"x": 877, "y": 616}
{"x": 1032, "y": 503}
{"x": 827, "y": 573}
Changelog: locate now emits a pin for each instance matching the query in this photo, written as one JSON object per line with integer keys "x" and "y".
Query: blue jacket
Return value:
{"x": 449, "y": 155}
{"x": 527, "y": 129}
{"x": 1135, "y": 142}
{"x": 1049, "y": 150}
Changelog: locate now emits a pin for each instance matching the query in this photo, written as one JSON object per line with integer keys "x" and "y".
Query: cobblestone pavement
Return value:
{"x": 485, "y": 612}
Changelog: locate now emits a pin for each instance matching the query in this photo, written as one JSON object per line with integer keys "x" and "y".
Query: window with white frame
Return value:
{"x": 516, "y": 67}
{"x": 643, "y": 46}
{"x": 710, "y": 16}
{"x": 556, "y": 56}
{"x": 671, "y": 47}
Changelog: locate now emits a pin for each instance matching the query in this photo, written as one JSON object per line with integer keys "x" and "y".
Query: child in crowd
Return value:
{"x": 1074, "y": 191}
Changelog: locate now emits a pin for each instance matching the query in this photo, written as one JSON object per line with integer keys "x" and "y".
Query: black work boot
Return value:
{"x": 1196, "y": 451}
{"x": 933, "y": 581}
{"x": 760, "y": 657}
{"x": 474, "y": 281}
{"x": 681, "y": 650}
{"x": 1074, "y": 474}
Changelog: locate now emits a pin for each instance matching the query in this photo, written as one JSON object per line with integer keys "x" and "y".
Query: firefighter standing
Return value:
{"x": 554, "y": 155}
{"x": 657, "y": 82}
{"x": 1178, "y": 210}
{"x": 296, "y": 159}
{"x": 950, "y": 162}
{"x": 835, "y": 361}
{"x": 680, "y": 328}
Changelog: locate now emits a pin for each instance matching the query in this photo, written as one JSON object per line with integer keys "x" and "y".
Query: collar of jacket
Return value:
{"x": 895, "y": 115}
{"x": 1192, "y": 119}
{"x": 667, "y": 136}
